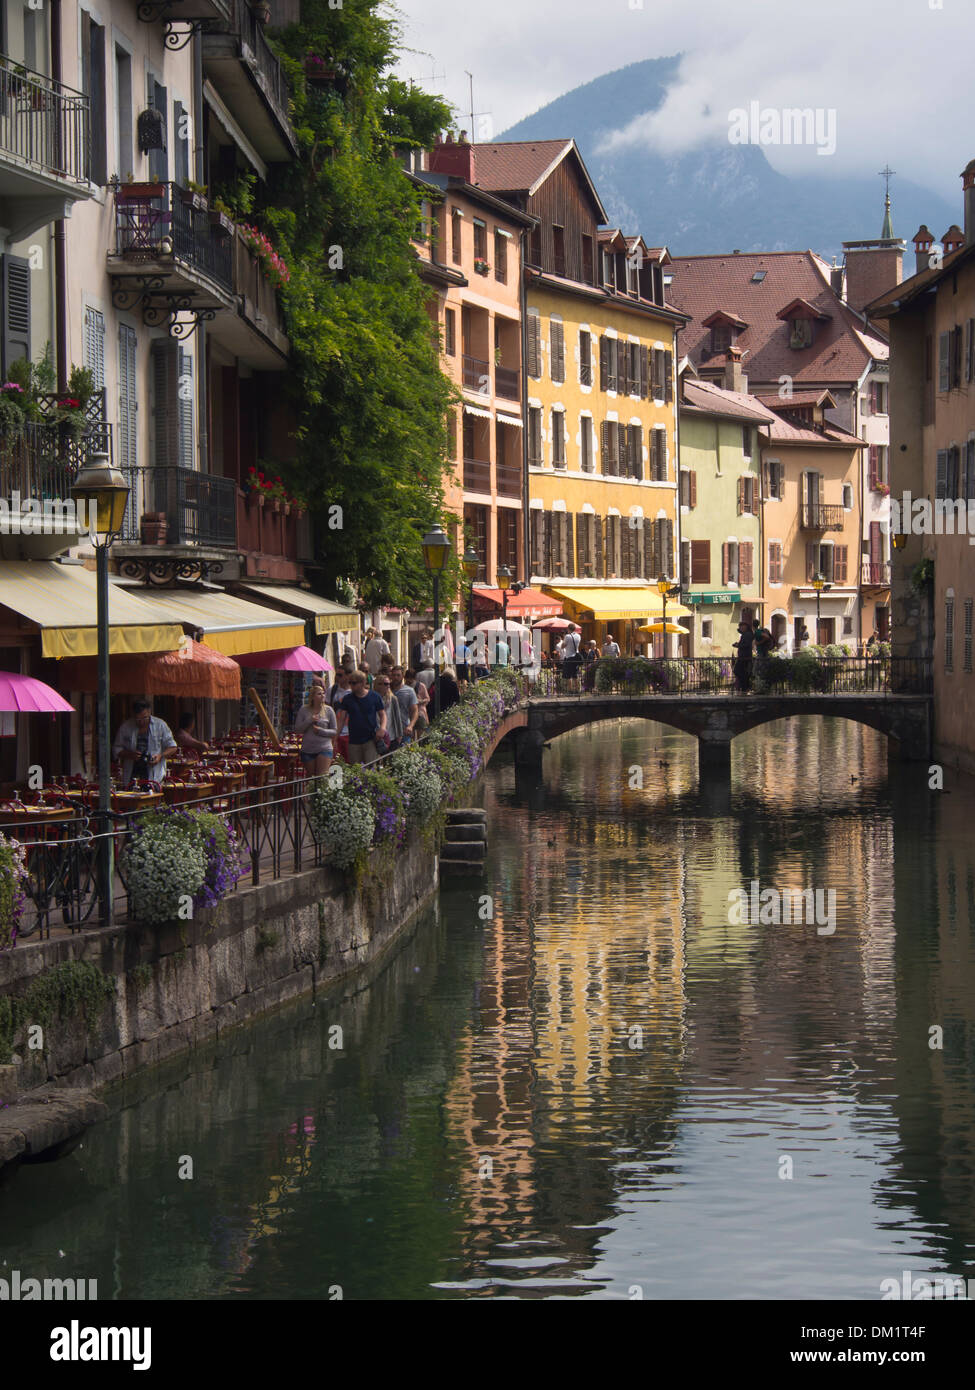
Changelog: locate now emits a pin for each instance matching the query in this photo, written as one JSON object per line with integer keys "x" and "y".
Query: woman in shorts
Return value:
{"x": 317, "y": 726}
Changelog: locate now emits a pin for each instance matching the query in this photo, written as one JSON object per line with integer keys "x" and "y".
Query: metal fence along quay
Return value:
{"x": 277, "y": 835}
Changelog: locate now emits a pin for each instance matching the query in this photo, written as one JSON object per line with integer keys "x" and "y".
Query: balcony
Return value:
{"x": 509, "y": 479}
{"x": 275, "y": 543}
{"x": 477, "y": 476}
{"x": 39, "y": 466}
{"x": 248, "y": 78}
{"x": 477, "y": 375}
{"x": 816, "y": 516}
{"x": 875, "y": 573}
{"x": 44, "y": 149}
{"x": 255, "y": 334}
{"x": 168, "y": 257}
{"x": 199, "y": 508}
{"x": 507, "y": 383}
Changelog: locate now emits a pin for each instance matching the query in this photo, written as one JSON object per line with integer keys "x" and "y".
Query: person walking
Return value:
{"x": 743, "y": 662}
{"x": 571, "y": 644}
{"x": 422, "y": 694}
{"x": 340, "y": 687}
{"x": 142, "y": 745}
{"x": 611, "y": 649}
{"x": 395, "y": 722}
{"x": 375, "y": 649}
{"x": 448, "y": 692}
{"x": 363, "y": 713}
{"x": 406, "y": 698}
{"x": 318, "y": 727}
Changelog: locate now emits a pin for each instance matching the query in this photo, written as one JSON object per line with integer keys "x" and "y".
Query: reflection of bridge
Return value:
{"x": 716, "y": 719}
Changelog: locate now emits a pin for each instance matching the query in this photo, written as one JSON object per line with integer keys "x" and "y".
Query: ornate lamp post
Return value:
{"x": 470, "y": 564}
{"x": 436, "y": 548}
{"x": 665, "y": 586}
{"x": 105, "y": 492}
{"x": 504, "y": 584}
{"x": 820, "y": 585}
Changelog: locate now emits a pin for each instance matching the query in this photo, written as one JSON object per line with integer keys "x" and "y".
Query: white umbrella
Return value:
{"x": 497, "y": 625}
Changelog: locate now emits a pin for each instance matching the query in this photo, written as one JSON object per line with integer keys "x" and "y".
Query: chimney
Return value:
{"x": 734, "y": 377}
{"x": 453, "y": 157}
{"x": 923, "y": 241}
{"x": 968, "y": 184}
{"x": 836, "y": 279}
{"x": 953, "y": 239}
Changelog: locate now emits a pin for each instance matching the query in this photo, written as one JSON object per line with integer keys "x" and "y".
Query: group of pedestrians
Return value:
{"x": 755, "y": 644}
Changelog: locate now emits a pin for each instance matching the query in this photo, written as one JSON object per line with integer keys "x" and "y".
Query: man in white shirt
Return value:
{"x": 610, "y": 648}
{"x": 571, "y": 643}
{"x": 376, "y": 648}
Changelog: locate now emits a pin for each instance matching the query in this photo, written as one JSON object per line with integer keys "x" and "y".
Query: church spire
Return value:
{"x": 887, "y": 231}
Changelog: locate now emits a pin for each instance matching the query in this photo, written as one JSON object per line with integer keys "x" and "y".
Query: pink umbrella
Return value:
{"x": 552, "y": 624}
{"x": 25, "y": 695}
{"x": 286, "y": 659}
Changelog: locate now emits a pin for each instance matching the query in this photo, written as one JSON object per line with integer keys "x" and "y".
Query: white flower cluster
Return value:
{"x": 345, "y": 821}
{"x": 419, "y": 783}
{"x": 163, "y": 865}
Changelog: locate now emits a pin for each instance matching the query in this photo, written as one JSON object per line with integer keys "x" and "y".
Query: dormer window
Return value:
{"x": 800, "y": 333}
{"x": 801, "y": 317}
{"x": 725, "y": 328}
{"x": 722, "y": 337}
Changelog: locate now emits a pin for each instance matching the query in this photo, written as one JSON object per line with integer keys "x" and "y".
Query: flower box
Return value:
{"x": 221, "y": 222}
{"x": 481, "y": 267}
{"x": 189, "y": 199}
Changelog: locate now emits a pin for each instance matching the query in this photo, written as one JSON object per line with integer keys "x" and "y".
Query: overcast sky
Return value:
{"x": 897, "y": 73}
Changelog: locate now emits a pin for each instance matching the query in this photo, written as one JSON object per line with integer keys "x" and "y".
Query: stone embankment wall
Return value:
{"x": 188, "y": 982}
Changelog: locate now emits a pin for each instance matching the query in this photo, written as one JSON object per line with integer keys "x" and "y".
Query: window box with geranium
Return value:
{"x": 273, "y": 267}
{"x": 481, "y": 267}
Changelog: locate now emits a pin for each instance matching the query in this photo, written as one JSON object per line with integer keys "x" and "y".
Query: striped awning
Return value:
{"x": 327, "y": 615}
{"x": 230, "y": 624}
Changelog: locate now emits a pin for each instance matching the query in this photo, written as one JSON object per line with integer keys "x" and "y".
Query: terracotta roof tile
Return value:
{"x": 517, "y": 164}
{"x": 841, "y": 348}
{"x": 703, "y": 396}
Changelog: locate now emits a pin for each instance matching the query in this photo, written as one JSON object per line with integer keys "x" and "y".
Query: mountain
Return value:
{"x": 720, "y": 196}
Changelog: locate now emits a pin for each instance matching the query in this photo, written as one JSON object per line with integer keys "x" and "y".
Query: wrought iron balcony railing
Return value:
{"x": 200, "y": 509}
{"x": 817, "y": 516}
{"x": 160, "y": 222}
{"x": 43, "y": 124}
{"x": 507, "y": 383}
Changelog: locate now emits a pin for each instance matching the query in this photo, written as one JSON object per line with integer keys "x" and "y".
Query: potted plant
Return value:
{"x": 221, "y": 217}
{"x": 481, "y": 266}
{"x": 193, "y": 195}
{"x": 153, "y": 528}
{"x": 131, "y": 192}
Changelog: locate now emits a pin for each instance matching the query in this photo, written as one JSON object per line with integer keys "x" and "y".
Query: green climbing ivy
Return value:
{"x": 64, "y": 991}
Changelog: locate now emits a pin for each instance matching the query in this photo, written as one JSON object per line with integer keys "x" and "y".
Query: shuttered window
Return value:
{"x": 456, "y": 221}
{"x": 634, "y": 452}
{"x": 585, "y": 437}
{"x": 15, "y": 288}
{"x": 970, "y": 350}
{"x": 688, "y": 487}
{"x": 585, "y": 357}
{"x": 657, "y": 375}
{"x": 775, "y": 562}
{"x": 668, "y": 377}
{"x": 500, "y": 257}
{"x": 944, "y": 361}
{"x": 840, "y": 553}
{"x": 450, "y": 332}
{"x": 558, "y": 439}
{"x": 941, "y": 473}
{"x": 700, "y": 562}
{"x": 534, "y": 344}
{"x": 535, "y": 436}
{"x": 172, "y": 405}
{"x": 658, "y": 456}
{"x": 609, "y": 448}
{"x": 664, "y": 545}
{"x": 557, "y": 350}
{"x": 949, "y": 634}
{"x": 685, "y": 562}
{"x": 951, "y": 473}
{"x": 94, "y": 345}
{"x": 93, "y": 86}
{"x": 968, "y": 634}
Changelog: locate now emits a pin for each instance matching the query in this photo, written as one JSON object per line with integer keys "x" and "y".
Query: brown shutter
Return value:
{"x": 745, "y": 563}
{"x": 741, "y": 495}
{"x": 568, "y": 567}
{"x": 599, "y": 562}
{"x": 875, "y": 542}
{"x": 546, "y": 524}
{"x": 725, "y": 562}
{"x": 812, "y": 558}
{"x": 839, "y": 563}
{"x": 668, "y": 530}
{"x": 668, "y": 377}
{"x": 648, "y": 549}
{"x": 534, "y": 355}
{"x": 637, "y": 433}
{"x": 603, "y": 362}
{"x": 557, "y": 335}
{"x": 819, "y": 484}
{"x": 700, "y": 562}
{"x": 872, "y": 456}
{"x": 644, "y": 373}
{"x": 604, "y": 447}
{"x": 580, "y": 542}
{"x": 537, "y": 518}
{"x": 693, "y": 488}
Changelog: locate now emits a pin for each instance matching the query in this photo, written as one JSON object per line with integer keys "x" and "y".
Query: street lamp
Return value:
{"x": 470, "y": 564}
{"x": 436, "y": 548}
{"x": 665, "y": 586}
{"x": 504, "y": 584}
{"x": 105, "y": 494}
{"x": 820, "y": 585}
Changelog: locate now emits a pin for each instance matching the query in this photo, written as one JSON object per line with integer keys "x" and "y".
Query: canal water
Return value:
{"x": 585, "y": 1075}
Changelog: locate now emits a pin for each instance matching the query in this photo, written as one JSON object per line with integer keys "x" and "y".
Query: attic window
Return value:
{"x": 668, "y": 279}
{"x": 759, "y": 276}
{"x": 800, "y": 333}
{"x": 721, "y": 337}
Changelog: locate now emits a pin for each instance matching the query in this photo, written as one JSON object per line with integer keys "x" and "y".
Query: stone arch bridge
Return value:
{"x": 717, "y": 719}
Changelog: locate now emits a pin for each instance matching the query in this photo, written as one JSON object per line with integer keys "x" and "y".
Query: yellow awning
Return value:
{"x": 62, "y": 601}
{"x": 607, "y": 605}
{"x": 230, "y": 624}
{"x": 328, "y": 616}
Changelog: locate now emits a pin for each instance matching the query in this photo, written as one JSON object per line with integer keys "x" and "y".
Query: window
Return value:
{"x": 450, "y": 332}
{"x": 585, "y": 444}
{"x": 747, "y": 495}
{"x": 634, "y": 451}
{"x": 94, "y": 346}
{"x": 658, "y": 455}
{"x": 969, "y": 478}
{"x": 759, "y": 276}
{"x": 456, "y": 220}
{"x": 721, "y": 338}
{"x": 159, "y": 158}
{"x": 968, "y": 634}
{"x": 585, "y": 357}
{"x": 93, "y": 86}
{"x": 688, "y": 487}
{"x": 558, "y": 250}
{"x": 700, "y": 562}
{"x": 15, "y": 286}
{"x": 879, "y": 397}
{"x": 507, "y": 523}
{"x": 685, "y": 563}
{"x": 480, "y": 240}
{"x": 534, "y": 335}
{"x": 775, "y": 562}
{"x": 775, "y": 478}
{"x": 847, "y": 497}
{"x": 558, "y": 439}
{"x": 588, "y": 274}
{"x": 609, "y": 280}
{"x": 847, "y": 626}
{"x": 500, "y": 256}
{"x": 610, "y": 449}
{"x": 123, "y": 112}
{"x": 535, "y": 436}
{"x": 707, "y": 629}
{"x": 729, "y": 562}
{"x": 746, "y": 442}
{"x": 535, "y": 246}
{"x": 944, "y": 361}
{"x": 608, "y": 364}
{"x": 957, "y": 354}
{"x": 172, "y": 406}
{"x": 661, "y": 376}
{"x": 949, "y": 634}
{"x": 800, "y": 333}
{"x": 970, "y": 350}
{"x": 476, "y": 523}
{"x": 878, "y": 457}
{"x": 557, "y": 350}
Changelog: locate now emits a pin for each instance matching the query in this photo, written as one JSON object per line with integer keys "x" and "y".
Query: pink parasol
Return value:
{"x": 285, "y": 659}
{"x": 25, "y": 695}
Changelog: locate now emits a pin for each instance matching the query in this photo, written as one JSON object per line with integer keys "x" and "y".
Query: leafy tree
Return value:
{"x": 370, "y": 398}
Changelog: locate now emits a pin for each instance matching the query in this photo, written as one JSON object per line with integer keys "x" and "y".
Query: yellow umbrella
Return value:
{"x": 659, "y": 626}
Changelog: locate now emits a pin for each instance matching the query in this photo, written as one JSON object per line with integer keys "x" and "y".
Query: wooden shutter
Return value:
{"x": 700, "y": 562}
{"x": 876, "y": 543}
{"x": 186, "y": 398}
{"x": 812, "y": 558}
{"x": 128, "y": 432}
{"x": 656, "y": 375}
{"x": 944, "y": 361}
{"x": 668, "y": 377}
{"x": 741, "y": 495}
{"x": 667, "y": 545}
{"x": 725, "y": 562}
{"x": 604, "y": 447}
{"x": 636, "y": 451}
{"x": 685, "y": 562}
{"x": 970, "y": 350}
{"x": 649, "y": 549}
{"x": 599, "y": 559}
{"x": 165, "y": 403}
{"x": 537, "y": 521}
{"x": 546, "y": 524}
{"x": 603, "y": 363}
{"x": 745, "y": 563}
{"x": 839, "y": 563}
{"x": 644, "y": 373}
{"x": 534, "y": 346}
{"x": 874, "y": 470}
{"x": 942, "y": 473}
{"x": 774, "y": 562}
{"x": 693, "y": 488}
{"x": 581, "y": 542}
{"x": 15, "y": 288}
{"x": 819, "y": 490}
{"x": 557, "y": 346}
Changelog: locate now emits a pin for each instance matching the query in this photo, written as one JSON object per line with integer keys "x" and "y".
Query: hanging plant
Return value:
{"x": 13, "y": 878}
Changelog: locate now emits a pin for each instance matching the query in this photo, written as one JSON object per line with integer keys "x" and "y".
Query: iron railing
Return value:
{"x": 43, "y": 123}
{"x": 200, "y": 509}
{"x": 821, "y": 517}
{"x": 43, "y": 460}
{"x": 477, "y": 475}
{"x": 707, "y": 676}
{"x": 477, "y": 376}
{"x": 507, "y": 383}
{"x": 269, "y": 71}
{"x": 875, "y": 572}
{"x": 158, "y": 221}
{"x": 509, "y": 479}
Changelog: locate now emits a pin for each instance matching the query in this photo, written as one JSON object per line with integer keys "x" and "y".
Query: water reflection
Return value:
{"x": 595, "y": 1080}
